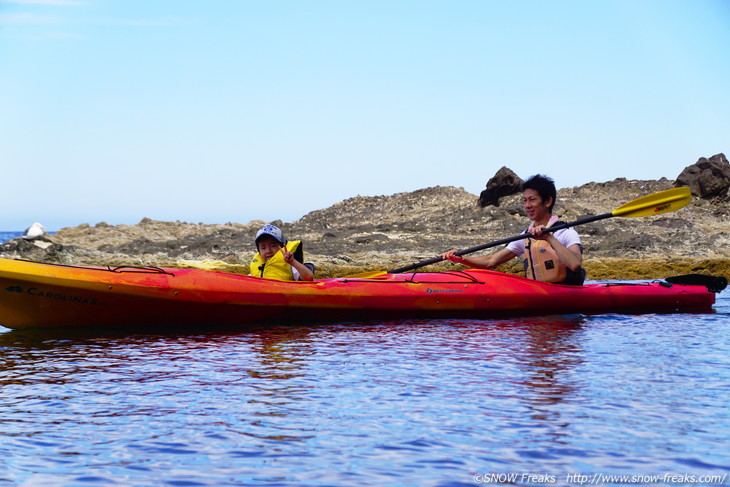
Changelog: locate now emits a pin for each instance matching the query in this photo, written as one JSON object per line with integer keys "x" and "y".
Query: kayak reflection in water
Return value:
{"x": 278, "y": 259}
{"x": 547, "y": 256}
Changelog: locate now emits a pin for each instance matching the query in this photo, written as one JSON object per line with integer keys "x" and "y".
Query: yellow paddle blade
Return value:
{"x": 365, "y": 275}
{"x": 655, "y": 204}
{"x": 213, "y": 265}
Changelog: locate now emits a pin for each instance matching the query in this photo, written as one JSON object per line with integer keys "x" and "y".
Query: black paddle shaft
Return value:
{"x": 500, "y": 242}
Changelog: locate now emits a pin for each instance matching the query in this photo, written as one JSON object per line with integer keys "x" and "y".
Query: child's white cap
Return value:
{"x": 271, "y": 231}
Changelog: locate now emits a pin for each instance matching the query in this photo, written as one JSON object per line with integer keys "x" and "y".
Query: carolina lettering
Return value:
{"x": 34, "y": 291}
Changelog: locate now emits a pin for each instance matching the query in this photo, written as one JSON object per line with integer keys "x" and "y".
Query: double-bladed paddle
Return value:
{"x": 653, "y": 204}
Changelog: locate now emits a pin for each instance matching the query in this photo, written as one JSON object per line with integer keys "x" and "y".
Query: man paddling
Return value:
{"x": 547, "y": 256}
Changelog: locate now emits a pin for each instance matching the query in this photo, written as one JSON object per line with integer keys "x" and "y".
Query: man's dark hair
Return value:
{"x": 544, "y": 186}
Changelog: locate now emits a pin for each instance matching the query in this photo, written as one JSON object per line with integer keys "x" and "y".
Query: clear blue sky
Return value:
{"x": 216, "y": 111}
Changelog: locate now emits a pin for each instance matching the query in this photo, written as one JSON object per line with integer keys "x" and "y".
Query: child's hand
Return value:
{"x": 288, "y": 256}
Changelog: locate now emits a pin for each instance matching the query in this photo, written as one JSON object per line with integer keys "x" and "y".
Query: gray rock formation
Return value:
{"x": 707, "y": 177}
{"x": 504, "y": 183}
{"x": 383, "y": 232}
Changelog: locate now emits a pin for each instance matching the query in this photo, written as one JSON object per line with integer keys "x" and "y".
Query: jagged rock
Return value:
{"x": 32, "y": 249}
{"x": 707, "y": 177}
{"x": 503, "y": 183}
{"x": 385, "y": 232}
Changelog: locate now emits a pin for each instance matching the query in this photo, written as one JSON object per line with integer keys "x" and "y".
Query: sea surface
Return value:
{"x": 5, "y": 236}
{"x": 555, "y": 400}
{"x": 9, "y": 235}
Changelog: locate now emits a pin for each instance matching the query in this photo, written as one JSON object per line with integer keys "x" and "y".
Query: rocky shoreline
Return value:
{"x": 366, "y": 233}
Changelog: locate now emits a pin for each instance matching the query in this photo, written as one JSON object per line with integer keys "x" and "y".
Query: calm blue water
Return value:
{"x": 5, "y": 236}
{"x": 422, "y": 403}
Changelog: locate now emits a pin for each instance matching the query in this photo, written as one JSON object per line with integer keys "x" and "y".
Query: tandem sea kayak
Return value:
{"x": 38, "y": 295}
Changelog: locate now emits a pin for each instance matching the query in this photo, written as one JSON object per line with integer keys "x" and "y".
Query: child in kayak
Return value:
{"x": 547, "y": 256}
{"x": 278, "y": 259}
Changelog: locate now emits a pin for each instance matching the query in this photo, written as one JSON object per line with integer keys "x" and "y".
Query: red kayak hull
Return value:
{"x": 36, "y": 295}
